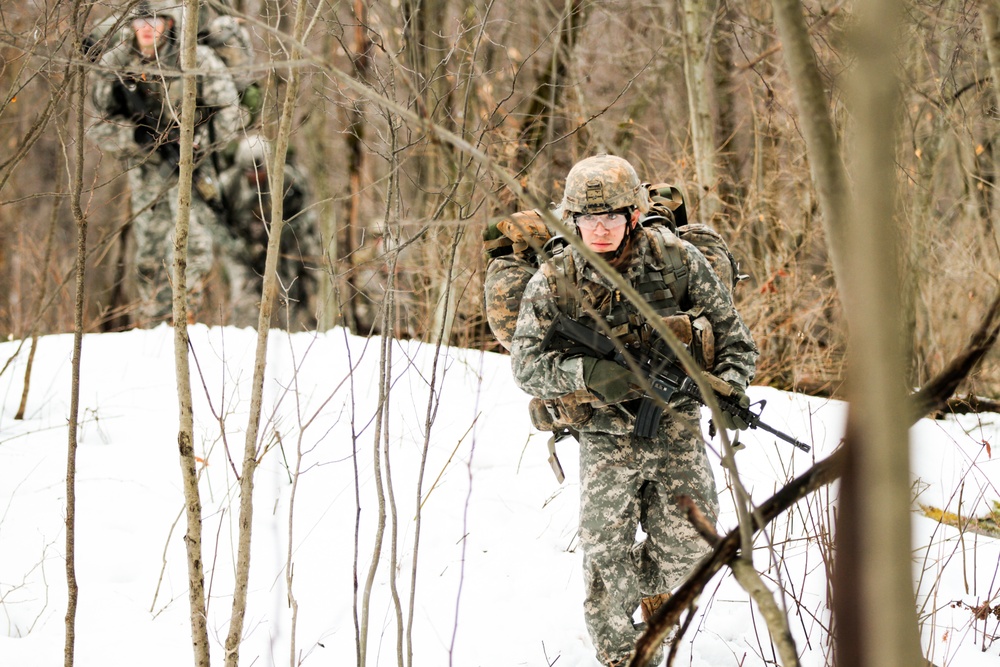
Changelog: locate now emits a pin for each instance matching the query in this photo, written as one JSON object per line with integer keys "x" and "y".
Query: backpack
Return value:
{"x": 668, "y": 209}
{"x": 513, "y": 247}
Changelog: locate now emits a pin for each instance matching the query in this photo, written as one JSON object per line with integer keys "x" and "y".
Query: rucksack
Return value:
{"x": 513, "y": 247}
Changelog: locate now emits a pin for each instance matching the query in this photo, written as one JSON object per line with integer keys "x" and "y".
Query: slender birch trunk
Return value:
{"x": 79, "y": 86}
{"x": 276, "y": 170}
{"x": 185, "y": 434}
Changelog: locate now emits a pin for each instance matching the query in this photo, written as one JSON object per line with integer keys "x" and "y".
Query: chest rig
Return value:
{"x": 660, "y": 278}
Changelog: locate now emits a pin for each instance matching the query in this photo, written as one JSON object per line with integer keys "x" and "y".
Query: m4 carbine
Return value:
{"x": 151, "y": 133}
{"x": 665, "y": 377}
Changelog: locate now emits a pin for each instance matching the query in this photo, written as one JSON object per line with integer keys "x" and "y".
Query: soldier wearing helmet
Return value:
{"x": 247, "y": 188}
{"x": 627, "y": 481}
{"x": 604, "y": 189}
{"x": 137, "y": 100}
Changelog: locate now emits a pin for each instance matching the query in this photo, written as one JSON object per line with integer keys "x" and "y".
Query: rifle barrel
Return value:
{"x": 666, "y": 380}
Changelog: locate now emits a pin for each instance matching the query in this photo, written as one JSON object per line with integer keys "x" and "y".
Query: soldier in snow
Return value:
{"x": 137, "y": 96}
{"x": 627, "y": 481}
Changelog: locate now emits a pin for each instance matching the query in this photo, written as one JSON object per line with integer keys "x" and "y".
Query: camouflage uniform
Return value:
{"x": 122, "y": 132}
{"x": 628, "y": 481}
{"x": 246, "y": 189}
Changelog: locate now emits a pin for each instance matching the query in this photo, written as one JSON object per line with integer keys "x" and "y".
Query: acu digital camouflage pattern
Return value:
{"x": 625, "y": 480}
{"x": 511, "y": 263}
{"x": 603, "y": 183}
{"x": 153, "y": 180}
{"x": 715, "y": 249}
{"x": 628, "y": 481}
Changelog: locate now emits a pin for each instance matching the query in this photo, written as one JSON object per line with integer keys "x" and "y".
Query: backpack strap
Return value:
{"x": 560, "y": 272}
{"x": 668, "y": 257}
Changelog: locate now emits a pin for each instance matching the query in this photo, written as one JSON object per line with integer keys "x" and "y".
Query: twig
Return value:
{"x": 929, "y": 398}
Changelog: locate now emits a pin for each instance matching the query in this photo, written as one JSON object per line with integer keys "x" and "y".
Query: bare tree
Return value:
{"x": 78, "y": 84}
{"x": 874, "y": 586}
{"x": 270, "y": 289}
{"x": 185, "y": 434}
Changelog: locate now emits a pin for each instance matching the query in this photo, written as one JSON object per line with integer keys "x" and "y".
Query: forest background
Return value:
{"x": 694, "y": 94}
{"x": 845, "y": 150}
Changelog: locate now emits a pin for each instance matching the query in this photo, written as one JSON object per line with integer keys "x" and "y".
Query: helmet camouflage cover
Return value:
{"x": 252, "y": 152}
{"x": 603, "y": 183}
{"x": 171, "y": 9}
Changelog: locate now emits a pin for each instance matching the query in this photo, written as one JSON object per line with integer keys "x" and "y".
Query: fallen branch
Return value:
{"x": 968, "y": 404}
{"x": 931, "y": 397}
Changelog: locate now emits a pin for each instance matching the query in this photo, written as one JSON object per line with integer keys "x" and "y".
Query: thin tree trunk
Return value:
{"x": 49, "y": 240}
{"x": 381, "y": 422}
{"x": 78, "y": 83}
{"x": 349, "y": 237}
{"x": 825, "y": 163}
{"x": 323, "y": 151}
{"x": 991, "y": 33}
{"x": 185, "y": 433}
{"x": 730, "y": 189}
{"x": 119, "y": 318}
{"x": 697, "y": 34}
{"x": 276, "y": 170}
{"x": 873, "y": 587}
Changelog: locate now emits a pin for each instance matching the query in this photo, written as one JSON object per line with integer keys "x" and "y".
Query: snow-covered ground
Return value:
{"x": 498, "y": 581}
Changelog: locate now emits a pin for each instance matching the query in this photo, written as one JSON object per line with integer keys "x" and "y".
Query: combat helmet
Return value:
{"x": 251, "y": 152}
{"x": 172, "y": 9}
{"x": 603, "y": 183}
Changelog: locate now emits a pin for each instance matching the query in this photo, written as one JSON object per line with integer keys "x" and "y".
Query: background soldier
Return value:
{"x": 626, "y": 481}
{"x": 246, "y": 189}
{"x": 137, "y": 99}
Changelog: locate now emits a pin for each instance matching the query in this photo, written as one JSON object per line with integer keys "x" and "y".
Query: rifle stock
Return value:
{"x": 665, "y": 377}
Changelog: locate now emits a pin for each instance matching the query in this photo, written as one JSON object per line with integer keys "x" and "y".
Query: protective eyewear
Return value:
{"x": 610, "y": 221}
{"x": 151, "y": 21}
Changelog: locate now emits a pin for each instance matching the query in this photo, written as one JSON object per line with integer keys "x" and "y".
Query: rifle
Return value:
{"x": 131, "y": 103}
{"x": 665, "y": 377}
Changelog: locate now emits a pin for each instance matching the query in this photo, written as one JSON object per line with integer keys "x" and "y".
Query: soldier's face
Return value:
{"x": 256, "y": 178}
{"x": 604, "y": 233}
{"x": 149, "y": 32}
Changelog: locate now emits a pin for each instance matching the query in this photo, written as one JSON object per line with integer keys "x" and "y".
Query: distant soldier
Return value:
{"x": 246, "y": 187}
{"x": 138, "y": 104}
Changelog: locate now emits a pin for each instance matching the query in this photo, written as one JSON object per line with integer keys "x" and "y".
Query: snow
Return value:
{"x": 499, "y": 580}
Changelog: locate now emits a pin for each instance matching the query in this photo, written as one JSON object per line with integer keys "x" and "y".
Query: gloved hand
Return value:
{"x": 731, "y": 421}
{"x": 607, "y": 380}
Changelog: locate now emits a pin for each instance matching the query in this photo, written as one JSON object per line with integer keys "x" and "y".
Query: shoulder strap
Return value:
{"x": 559, "y": 271}
{"x": 667, "y": 253}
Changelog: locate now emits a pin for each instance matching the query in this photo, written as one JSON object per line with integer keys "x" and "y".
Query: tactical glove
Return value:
{"x": 734, "y": 422}
{"x": 607, "y": 380}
